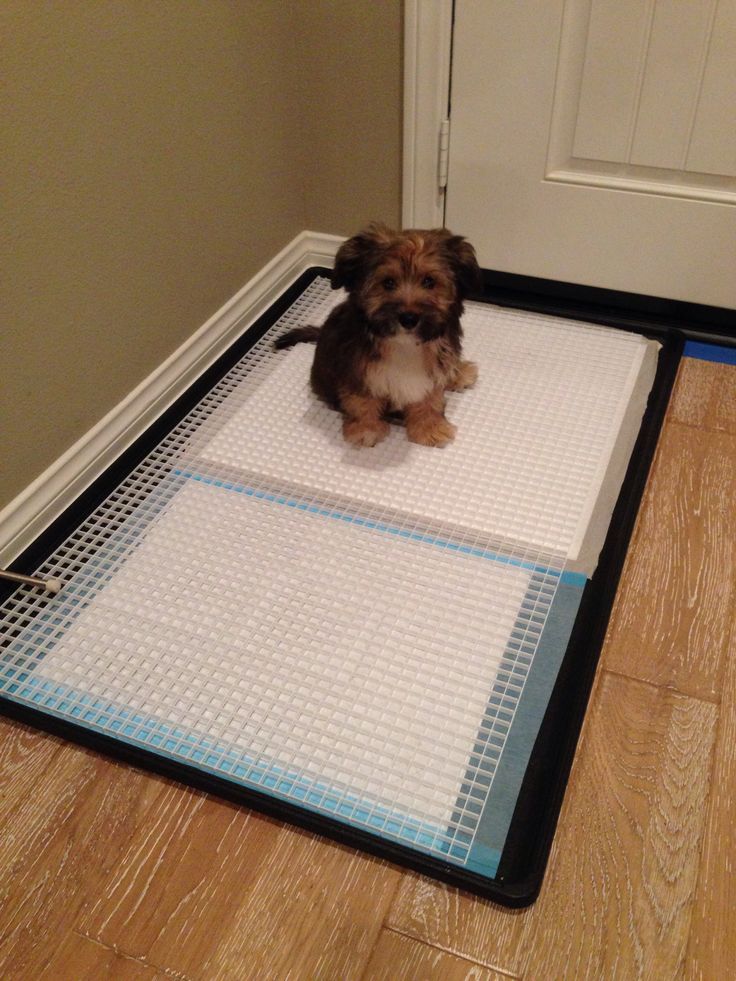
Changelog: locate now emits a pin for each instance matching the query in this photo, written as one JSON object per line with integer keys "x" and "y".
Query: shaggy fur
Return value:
{"x": 393, "y": 347}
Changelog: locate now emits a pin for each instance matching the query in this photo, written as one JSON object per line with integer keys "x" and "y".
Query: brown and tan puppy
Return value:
{"x": 394, "y": 345}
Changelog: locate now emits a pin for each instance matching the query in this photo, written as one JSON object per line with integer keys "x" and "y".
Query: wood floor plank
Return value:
{"x": 316, "y": 912}
{"x": 399, "y": 958}
{"x": 211, "y": 891}
{"x": 622, "y": 876}
{"x": 80, "y": 959}
{"x": 670, "y": 621}
{"x": 705, "y": 395}
{"x": 180, "y": 884}
{"x": 171, "y": 893}
{"x": 24, "y": 759}
{"x": 56, "y": 848}
{"x": 712, "y": 947}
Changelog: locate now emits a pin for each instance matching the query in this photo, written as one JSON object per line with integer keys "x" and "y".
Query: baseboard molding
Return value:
{"x": 59, "y": 485}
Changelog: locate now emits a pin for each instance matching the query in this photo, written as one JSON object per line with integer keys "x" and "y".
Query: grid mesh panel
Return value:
{"x": 346, "y": 644}
{"x": 343, "y": 675}
{"x": 532, "y": 445}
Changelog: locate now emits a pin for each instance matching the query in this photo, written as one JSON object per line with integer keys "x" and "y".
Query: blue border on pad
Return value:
{"x": 710, "y": 352}
{"x": 499, "y": 806}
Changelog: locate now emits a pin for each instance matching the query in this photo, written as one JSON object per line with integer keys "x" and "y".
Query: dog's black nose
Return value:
{"x": 407, "y": 319}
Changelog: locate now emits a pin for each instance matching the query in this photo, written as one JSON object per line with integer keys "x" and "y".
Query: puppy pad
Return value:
{"x": 340, "y": 660}
{"x": 545, "y": 434}
{"x": 371, "y": 636}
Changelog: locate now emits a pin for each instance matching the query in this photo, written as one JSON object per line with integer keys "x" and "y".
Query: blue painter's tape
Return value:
{"x": 484, "y": 860}
{"x": 710, "y": 352}
{"x": 506, "y": 774}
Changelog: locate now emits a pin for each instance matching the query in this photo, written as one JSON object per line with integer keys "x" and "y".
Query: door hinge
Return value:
{"x": 444, "y": 154}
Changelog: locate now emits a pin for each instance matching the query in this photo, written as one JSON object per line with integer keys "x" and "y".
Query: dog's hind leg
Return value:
{"x": 464, "y": 376}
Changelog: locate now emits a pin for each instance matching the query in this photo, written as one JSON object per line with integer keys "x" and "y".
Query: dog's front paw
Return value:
{"x": 358, "y": 432}
{"x": 465, "y": 376}
{"x": 432, "y": 432}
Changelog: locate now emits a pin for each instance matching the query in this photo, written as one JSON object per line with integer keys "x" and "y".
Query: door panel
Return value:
{"x": 594, "y": 142}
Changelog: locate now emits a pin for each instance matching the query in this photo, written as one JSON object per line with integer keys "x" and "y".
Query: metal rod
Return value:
{"x": 50, "y": 585}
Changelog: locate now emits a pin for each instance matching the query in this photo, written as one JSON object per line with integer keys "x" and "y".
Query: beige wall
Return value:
{"x": 352, "y": 112}
{"x": 155, "y": 156}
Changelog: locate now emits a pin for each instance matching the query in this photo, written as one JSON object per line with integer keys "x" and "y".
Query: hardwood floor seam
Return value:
{"x": 383, "y": 925}
{"x": 169, "y": 972}
{"x": 448, "y": 950}
{"x": 665, "y": 688}
{"x": 701, "y": 427}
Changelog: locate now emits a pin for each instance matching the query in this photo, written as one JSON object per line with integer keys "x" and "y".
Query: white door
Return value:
{"x": 594, "y": 142}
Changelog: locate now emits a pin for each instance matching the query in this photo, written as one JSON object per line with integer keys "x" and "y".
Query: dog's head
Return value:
{"x": 413, "y": 280}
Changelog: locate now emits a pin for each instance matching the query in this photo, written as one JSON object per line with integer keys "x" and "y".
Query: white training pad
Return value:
{"x": 534, "y": 446}
{"x": 338, "y": 653}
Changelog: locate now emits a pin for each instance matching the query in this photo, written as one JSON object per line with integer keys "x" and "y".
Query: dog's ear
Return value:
{"x": 356, "y": 258}
{"x": 463, "y": 262}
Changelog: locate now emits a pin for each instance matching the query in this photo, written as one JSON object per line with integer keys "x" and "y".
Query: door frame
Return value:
{"x": 427, "y": 60}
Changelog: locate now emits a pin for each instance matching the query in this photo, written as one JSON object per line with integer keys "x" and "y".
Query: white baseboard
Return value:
{"x": 57, "y": 487}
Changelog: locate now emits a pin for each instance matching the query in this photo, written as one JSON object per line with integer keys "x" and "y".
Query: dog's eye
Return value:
{"x": 389, "y": 284}
{"x": 428, "y": 283}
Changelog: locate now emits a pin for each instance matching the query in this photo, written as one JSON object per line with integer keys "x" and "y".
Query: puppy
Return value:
{"x": 393, "y": 347}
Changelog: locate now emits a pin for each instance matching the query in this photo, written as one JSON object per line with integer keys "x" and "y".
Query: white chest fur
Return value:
{"x": 400, "y": 376}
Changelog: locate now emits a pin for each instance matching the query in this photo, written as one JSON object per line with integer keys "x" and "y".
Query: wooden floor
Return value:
{"x": 106, "y": 872}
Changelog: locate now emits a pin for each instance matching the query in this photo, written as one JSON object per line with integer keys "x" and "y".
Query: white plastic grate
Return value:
{"x": 534, "y": 437}
{"x": 346, "y": 629}
{"x": 347, "y": 658}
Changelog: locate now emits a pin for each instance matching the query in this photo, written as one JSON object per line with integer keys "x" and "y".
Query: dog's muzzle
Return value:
{"x": 407, "y": 319}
